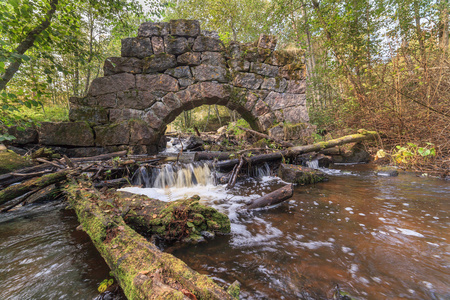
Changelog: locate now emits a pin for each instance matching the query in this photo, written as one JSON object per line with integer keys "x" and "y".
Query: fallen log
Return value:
{"x": 265, "y": 136}
{"x": 17, "y": 190}
{"x": 100, "y": 157}
{"x": 292, "y": 152}
{"x": 235, "y": 173}
{"x": 273, "y": 198}
{"x": 211, "y": 156}
{"x": 141, "y": 269}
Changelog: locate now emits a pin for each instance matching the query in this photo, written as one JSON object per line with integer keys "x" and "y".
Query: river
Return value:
{"x": 375, "y": 237}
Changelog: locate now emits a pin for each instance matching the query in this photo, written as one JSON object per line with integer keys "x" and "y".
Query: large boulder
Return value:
{"x": 66, "y": 134}
{"x": 300, "y": 175}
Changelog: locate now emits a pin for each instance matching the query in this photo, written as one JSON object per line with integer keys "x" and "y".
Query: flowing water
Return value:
{"x": 375, "y": 237}
{"x": 43, "y": 256}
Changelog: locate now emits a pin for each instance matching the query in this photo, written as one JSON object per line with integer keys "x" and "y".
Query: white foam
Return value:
{"x": 409, "y": 232}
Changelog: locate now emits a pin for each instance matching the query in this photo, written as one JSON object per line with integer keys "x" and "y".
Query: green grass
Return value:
{"x": 50, "y": 113}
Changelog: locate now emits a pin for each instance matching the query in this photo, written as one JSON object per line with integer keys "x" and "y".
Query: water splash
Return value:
{"x": 313, "y": 164}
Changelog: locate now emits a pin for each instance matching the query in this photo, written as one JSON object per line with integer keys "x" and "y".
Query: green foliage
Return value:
{"x": 105, "y": 284}
{"x": 411, "y": 154}
{"x": 233, "y": 128}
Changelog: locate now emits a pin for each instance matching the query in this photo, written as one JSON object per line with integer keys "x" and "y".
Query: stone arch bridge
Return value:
{"x": 175, "y": 66}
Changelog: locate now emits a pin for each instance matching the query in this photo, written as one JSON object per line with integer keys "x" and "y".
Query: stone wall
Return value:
{"x": 172, "y": 67}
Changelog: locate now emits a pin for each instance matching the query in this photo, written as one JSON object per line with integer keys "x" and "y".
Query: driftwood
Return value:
{"x": 235, "y": 173}
{"x": 141, "y": 269}
{"x": 100, "y": 157}
{"x": 274, "y": 197}
{"x": 265, "y": 136}
{"x": 292, "y": 152}
{"x": 37, "y": 183}
{"x": 211, "y": 156}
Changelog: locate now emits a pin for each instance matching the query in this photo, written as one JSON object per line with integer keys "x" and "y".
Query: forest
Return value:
{"x": 212, "y": 149}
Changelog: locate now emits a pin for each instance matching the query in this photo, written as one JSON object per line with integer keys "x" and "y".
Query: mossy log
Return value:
{"x": 141, "y": 269}
{"x": 273, "y": 198}
{"x": 17, "y": 190}
{"x": 184, "y": 219}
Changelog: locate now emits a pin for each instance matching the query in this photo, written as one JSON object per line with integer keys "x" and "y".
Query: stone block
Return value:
{"x": 204, "y": 43}
{"x": 119, "y": 115}
{"x": 267, "y": 41}
{"x": 284, "y": 100}
{"x": 209, "y": 73}
{"x": 277, "y": 84}
{"x": 66, "y": 134}
{"x": 211, "y": 91}
{"x": 176, "y": 45}
{"x": 116, "y": 65}
{"x": 298, "y": 131}
{"x": 264, "y": 69}
{"x": 158, "y": 45}
{"x": 239, "y": 65}
{"x": 254, "y": 54}
{"x": 266, "y": 121}
{"x": 135, "y": 99}
{"x": 213, "y": 58}
{"x": 156, "y": 82}
{"x": 260, "y": 108}
{"x": 189, "y": 59}
{"x": 141, "y": 133}
{"x": 182, "y": 27}
{"x": 277, "y": 132}
{"x": 248, "y": 80}
{"x": 136, "y": 47}
{"x": 251, "y": 99}
{"x": 159, "y": 63}
{"x": 172, "y": 103}
{"x": 107, "y": 100}
{"x": 112, "y": 134}
{"x": 112, "y": 84}
{"x": 185, "y": 82}
{"x": 300, "y": 175}
{"x": 150, "y": 29}
{"x": 295, "y": 71}
{"x": 279, "y": 115}
{"x": 160, "y": 110}
{"x": 95, "y": 115}
{"x": 296, "y": 86}
{"x": 24, "y": 135}
{"x": 296, "y": 114}
{"x": 179, "y": 72}
{"x": 152, "y": 120}
{"x": 86, "y": 101}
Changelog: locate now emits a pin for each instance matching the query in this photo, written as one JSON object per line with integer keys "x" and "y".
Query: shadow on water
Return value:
{"x": 43, "y": 256}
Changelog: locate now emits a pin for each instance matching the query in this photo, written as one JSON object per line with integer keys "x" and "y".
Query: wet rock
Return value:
{"x": 387, "y": 171}
{"x": 149, "y": 29}
{"x": 66, "y": 134}
{"x": 188, "y": 28}
{"x": 193, "y": 143}
{"x": 357, "y": 154}
{"x": 159, "y": 63}
{"x": 136, "y": 47}
{"x": 116, "y": 65}
{"x": 323, "y": 161}
{"x": 300, "y": 175}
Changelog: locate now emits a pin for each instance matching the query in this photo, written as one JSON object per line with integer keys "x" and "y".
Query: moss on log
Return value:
{"x": 143, "y": 271}
{"x": 17, "y": 190}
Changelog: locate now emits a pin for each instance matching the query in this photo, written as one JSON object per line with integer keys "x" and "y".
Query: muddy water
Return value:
{"x": 43, "y": 256}
{"x": 377, "y": 237}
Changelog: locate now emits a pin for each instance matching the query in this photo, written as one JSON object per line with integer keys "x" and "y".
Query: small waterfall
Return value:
{"x": 313, "y": 164}
{"x": 262, "y": 170}
{"x": 174, "y": 175}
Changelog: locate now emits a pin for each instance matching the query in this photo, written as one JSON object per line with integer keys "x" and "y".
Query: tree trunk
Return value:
{"x": 26, "y": 44}
{"x": 273, "y": 198}
{"x": 141, "y": 269}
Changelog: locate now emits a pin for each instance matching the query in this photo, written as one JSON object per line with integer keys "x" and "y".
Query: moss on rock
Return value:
{"x": 10, "y": 161}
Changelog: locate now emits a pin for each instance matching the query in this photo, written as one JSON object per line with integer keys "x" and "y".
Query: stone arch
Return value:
{"x": 176, "y": 66}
